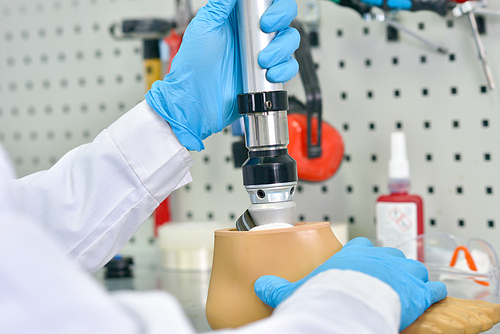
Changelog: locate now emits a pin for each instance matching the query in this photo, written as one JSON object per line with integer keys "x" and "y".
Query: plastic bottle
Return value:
{"x": 399, "y": 215}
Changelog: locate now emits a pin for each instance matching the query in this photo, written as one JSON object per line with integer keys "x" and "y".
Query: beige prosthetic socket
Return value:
{"x": 240, "y": 257}
{"x": 456, "y": 316}
{"x": 292, "y": 253}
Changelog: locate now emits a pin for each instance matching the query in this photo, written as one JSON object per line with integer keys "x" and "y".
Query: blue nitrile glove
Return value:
{"x": 198, "y": 96}
{"x": 409, "y": 278}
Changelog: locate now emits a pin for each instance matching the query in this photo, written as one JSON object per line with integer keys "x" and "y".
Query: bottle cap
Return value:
{"x": 399, "y": 167}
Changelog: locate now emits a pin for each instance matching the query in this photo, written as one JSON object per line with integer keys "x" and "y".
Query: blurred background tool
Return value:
{"x": 269, "y": 174}
{"x": 470, "y": 8}
{"x": 152, "y": 31}
{"x": 364, "y": 8}
{"x": 314, "y": 144}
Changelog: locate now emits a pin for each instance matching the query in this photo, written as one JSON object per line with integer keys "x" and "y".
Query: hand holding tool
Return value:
{"x": 198, "y": 96}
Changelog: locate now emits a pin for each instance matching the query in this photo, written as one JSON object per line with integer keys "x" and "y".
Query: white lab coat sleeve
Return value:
{"x": 336, "y": 302}
{"x": 96, "y": 196}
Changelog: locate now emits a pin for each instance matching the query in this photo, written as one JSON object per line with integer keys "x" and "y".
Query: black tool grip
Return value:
{"x": 438, "y": 6}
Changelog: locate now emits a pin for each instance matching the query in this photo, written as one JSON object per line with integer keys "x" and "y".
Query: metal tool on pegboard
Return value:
{"x": 470, "y": 8}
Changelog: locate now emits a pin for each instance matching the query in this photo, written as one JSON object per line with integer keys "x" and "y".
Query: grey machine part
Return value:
{"x": 269, "y": 173}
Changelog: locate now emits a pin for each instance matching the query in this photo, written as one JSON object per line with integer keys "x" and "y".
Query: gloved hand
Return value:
{"x": 409, "y": 278}
{"x": 198, "y": 96}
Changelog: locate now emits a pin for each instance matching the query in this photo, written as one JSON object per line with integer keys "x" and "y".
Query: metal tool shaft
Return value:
{"x": 482, "y": 53}
{"x": 269, "y": 173}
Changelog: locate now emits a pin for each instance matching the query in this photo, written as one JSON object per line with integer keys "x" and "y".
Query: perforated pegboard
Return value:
{"x": 63, "y": 79}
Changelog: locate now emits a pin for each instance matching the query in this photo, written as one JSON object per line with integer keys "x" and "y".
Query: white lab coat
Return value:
{"x": 60, "y": 225}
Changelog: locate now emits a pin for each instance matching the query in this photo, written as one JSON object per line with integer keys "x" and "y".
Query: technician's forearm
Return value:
{"x": 96, "y": 197}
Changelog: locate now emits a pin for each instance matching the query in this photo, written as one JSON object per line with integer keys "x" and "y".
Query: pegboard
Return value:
{"x": 63, "y": 79}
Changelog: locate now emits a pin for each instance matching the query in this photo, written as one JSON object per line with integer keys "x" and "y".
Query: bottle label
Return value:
{"x": 396, "y": 223}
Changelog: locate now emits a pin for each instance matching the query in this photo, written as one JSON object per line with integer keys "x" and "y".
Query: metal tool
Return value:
{"x": 470, "y": 8}
{"x": 440, "y": 7}
{"x": 269, "y": 173}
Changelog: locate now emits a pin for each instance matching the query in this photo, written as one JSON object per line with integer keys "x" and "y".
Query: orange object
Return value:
{"x": 173, "y": 41}
{"x": 470, "y": 262}
{"x": 314, "y": 169}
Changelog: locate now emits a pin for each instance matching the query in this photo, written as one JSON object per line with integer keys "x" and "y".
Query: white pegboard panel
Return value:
{"x": 372, "y": 87}
{"x": 63, "y": 79}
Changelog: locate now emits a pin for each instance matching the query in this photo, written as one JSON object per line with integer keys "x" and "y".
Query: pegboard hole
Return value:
{"x": 31, "y": 111}
{"x": 375, "y": 189}
{"x": 343, "y": 95}
{"x": 96, "y": 27}
{"x": 345, "y": 126}
{"x": 229, "y": 187}
{"x": 421, "y": 26}
{"x": 487, "y": 156}
{"x": 48, "y": 109}
{"x": 8, "y": 36}
{"x": 326, "y": 218}
{"x": 210, "y": 215}
{"x": 491, "y": 223}
{"x": 432, "y": 222}
{"x": 208, "y": 187}
{"x": 187, "y": 187}
{"x": 423, "y": 59}
{"x": 341, "y": 64}
{"x": 61, "y": 57}
{"x": 369, "y": 94}
{"x": 371, "y": 126}
{"x": 349, "y": 189}
{"x": 368, "y": 62}
{"x": 395, "y": 61}
{"x": 373, "y": 158}
{"x": 299, "y": 189}
{"x": 232, "y": 216}
{"x": 430, "y": 190}
{"x": 483, "y": 89}
{"x": 347, "y": 157}
{"x": 189, "y": 215}
{"x": 98, "y": 54}
{"x": 302, "y": 218}
{"x": 485, "y": 122}
{"x": 425, "y": 91}
{"x": 340, "y": 33}
{"x": 489, "y": 190}
{"x": 428, "y": 157}
{"x": 461, "y": 222}
{"x": 455, "y": 124}
{"x": 50, "y": 135}
{"x": 427, "y": 124}
{"x": 450, "y": 23}
{"x": 366, "y": 31}
{"x": 64, "y": 83}
{"x": 459, "y": 190}
{"x": 454, "y": 90}
{"x": 399, "y": 125}
{"x": 451, "y": 57}
{"x": 458, "y": 157}
{"x": 324, "y": 189}
{"x": 59, "y": 31}
{"x": 351, "y": 220}
{"x": 44, "y": 59}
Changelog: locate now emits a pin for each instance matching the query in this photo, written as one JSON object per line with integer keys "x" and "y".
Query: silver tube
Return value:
{"x": 266, "y": 130}
{"x": 252, "y": 41}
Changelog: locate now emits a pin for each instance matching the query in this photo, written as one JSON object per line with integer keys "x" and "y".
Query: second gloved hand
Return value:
{"x": 198, "y": 96}
{"x": 409, "y": 278}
